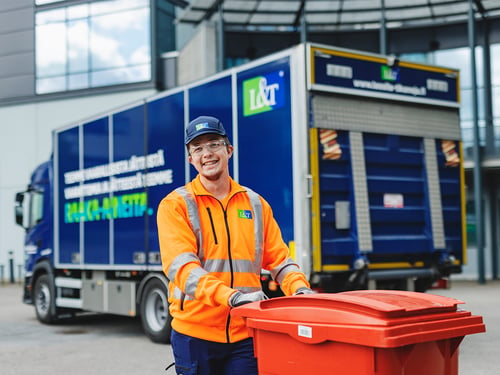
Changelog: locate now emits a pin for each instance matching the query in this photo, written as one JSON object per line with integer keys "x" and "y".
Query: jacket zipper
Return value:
{"x": 183, "y": 297}
{"x": 230, "y": 257}
{"x": 212, "y": 225}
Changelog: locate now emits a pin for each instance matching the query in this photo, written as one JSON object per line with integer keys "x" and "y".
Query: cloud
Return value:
{"x": 108, "y": 49}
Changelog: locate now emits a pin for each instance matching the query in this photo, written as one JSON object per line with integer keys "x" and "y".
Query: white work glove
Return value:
{"x": 304, "y": 290}
{"x": 239, "y": 298}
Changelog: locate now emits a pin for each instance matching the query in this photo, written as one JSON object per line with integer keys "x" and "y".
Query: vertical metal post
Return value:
{"x": 488, "y": 107}
{"x": 11, "y": 266}
{"x": 220, "y": 38}
{"x": 490, "y": 141}
{"x": 383, "y": 30}
{"x": 493, "y": 186}
{"x": 303, "y": 23}
{"x": 478, "y": 203}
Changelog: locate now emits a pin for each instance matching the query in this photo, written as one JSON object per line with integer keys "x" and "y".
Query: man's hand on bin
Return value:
{"x": 304, "y": 290}
{"x": 239, "y": 298}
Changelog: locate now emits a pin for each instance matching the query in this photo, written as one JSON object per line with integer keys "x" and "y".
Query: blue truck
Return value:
{"x": 359, "y": 155}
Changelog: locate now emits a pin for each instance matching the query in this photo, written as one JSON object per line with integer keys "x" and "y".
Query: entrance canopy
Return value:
{"x": 334, "y": 15}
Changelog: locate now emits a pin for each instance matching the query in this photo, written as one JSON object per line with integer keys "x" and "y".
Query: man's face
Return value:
{"x": 210, "y": 155}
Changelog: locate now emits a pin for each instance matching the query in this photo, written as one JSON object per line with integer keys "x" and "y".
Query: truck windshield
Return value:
{"x": 35, "y": 208}
{"x": 29, "y": 208}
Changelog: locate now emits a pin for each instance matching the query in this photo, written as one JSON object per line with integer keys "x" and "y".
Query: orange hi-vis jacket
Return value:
{"x": 210, "y": 249}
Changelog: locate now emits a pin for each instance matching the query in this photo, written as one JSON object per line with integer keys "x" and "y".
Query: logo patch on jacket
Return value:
{"x": 244, "y": 214}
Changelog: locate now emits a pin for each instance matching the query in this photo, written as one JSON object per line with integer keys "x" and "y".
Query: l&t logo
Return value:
{"x": 263, "y": 93}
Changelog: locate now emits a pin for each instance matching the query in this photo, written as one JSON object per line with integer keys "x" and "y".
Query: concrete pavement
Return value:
{"x": 105, "y": 344}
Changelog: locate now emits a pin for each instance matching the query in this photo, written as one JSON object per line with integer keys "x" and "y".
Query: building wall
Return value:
{"x": 198, "y": 58}
{"x": 17, "y": 49}
{"x": 26, "y": 142}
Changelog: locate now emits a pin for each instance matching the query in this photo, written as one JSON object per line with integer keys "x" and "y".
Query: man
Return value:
{"x": 215, "y": 237}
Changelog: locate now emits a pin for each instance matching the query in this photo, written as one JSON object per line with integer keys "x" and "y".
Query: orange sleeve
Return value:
{"x": 277, "y": 252}
{"x": 177, "y": 244}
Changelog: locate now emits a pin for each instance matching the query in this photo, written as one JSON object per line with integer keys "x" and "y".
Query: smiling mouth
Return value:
{"x": 209, "y": 163}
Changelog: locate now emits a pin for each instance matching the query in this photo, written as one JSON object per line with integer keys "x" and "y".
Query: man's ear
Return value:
{"x": 230, "y": 150}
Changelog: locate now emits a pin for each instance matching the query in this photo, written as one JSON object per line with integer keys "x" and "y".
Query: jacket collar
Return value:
{"x": 199, "y": 189}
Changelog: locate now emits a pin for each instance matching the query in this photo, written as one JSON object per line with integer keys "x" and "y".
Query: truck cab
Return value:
{"x": 33, "y": 212}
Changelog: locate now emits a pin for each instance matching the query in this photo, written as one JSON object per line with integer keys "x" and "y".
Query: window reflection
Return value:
{"x": 495, "y": 64}
{"x": 459, "y": 58}
{"x": 120, "y": 75}
{"x": 41, "y": 2}
{"x": 92, "y": 45}
{"x": 50, "y": 50}
{"x": 78, "y": 46}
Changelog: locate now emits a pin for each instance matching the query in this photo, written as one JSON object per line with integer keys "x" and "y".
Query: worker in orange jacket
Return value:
{"x": 215, "y": 238}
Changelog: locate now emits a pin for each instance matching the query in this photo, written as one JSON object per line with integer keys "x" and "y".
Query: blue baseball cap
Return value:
{"x": 203, "y": 125}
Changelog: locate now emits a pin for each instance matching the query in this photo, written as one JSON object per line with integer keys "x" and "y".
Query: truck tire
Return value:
{"x": 44, "y": 299}
{"x": 155, "y": 316}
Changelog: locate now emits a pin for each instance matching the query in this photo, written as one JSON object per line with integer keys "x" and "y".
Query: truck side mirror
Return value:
{"x": 19, "y": 211}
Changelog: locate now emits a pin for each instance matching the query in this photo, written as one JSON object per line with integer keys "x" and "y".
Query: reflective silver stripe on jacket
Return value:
{"x": 192, "y": 281}
{"x": 279, "y": 272}
{"x": 178, "y": 262}
{"x": 193, "y": 277}
{"x": 178, "y": 294}
{"x": 258, "y": 229}
{"x": 194, "y": 218}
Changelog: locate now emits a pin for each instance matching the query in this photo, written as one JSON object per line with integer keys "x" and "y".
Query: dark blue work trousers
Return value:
{"x": 194, "y": 356}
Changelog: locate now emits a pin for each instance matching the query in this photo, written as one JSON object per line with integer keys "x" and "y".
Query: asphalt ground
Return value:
{"x": 91, "y": 344}
{"x": 105, "y": 344}
{"x": 479, "y": 354}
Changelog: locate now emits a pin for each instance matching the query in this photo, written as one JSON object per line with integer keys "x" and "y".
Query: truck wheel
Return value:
{"x": 155, "y": 316}
{"x": 44, "y": 300}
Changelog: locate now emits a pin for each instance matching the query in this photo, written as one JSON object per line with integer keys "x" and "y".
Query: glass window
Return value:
{"x": 52, "y": 84}
{"x": 51, "y": 50}
{"x": 36, "y": 208}
{"x": 91, "y": 45}
{"x": 78, "y": 81}
{"x": 495, "y": 64}
{"x": 471, "y": 224}
{"x": 78, "y": 46}
{"x": 466, "y": 104}
{"x": 459, "y": 58}
{"x": 424, "y": 58}
{"x": 108, "y": 36}
{"x": 496, "y": 127}
{"x": 119, "y": 75}
{"x": 41, "y": 2}
{"x": 78, "y": 12}
{"x": 496, "y": 101}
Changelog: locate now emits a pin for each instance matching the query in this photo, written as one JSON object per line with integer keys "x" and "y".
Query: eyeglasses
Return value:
{"x": 211, "y": 146}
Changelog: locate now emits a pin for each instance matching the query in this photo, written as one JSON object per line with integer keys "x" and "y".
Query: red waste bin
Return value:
{"x": 359, "y": 332}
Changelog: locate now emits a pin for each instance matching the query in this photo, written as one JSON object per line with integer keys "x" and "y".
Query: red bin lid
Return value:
{"x": 377, "y": 318}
